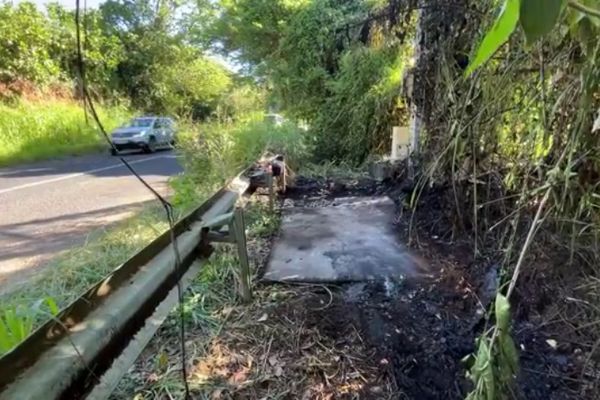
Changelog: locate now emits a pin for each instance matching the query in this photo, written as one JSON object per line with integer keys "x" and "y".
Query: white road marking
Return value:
{"x": 26, "y": 170}
{"x": 91, "y": 171}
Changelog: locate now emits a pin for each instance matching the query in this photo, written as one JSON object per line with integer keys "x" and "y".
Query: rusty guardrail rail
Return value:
{"x": 89, "y": 346}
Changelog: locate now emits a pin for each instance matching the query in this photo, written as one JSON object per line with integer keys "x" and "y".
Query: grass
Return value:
{"x": 31, "y": 131}
{"x": 212, "y": 151}
{"x": 69, "y": 275}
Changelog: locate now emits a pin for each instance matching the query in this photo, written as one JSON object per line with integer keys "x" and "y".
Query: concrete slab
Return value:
{"x": 352, "y": 240}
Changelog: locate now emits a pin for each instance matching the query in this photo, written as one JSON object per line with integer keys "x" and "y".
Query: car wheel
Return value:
{"x": 151, "y": 146}
{"x": 114, "y": 151}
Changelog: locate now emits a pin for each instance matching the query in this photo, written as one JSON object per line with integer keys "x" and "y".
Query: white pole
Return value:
{"x": 415, "y": 120}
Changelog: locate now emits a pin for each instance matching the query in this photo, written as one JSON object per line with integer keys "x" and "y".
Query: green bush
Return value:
{"x": 37, "y": 130}
{"x": 363, "y": 105}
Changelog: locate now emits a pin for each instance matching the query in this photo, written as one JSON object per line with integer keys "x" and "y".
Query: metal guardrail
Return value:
{"x": 89, "y": 346}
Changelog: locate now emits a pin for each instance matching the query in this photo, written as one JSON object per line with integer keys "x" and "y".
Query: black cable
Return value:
{"x": 166, "y": 205}
{"x": 85, "y": 47}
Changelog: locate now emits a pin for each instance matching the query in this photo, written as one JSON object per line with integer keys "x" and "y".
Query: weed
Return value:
{"x": 213, "y": 152}
{"x": 17, "y": 322}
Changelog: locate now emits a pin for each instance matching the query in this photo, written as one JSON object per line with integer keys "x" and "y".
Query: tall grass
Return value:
{"x": 37, "y": 130}
{"x": 216, "y": 151}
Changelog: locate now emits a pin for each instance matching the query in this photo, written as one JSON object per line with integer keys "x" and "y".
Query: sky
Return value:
{"x": 66, "y": 3}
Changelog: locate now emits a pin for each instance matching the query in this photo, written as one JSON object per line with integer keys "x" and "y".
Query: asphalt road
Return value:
{"x": 48, "y": 207}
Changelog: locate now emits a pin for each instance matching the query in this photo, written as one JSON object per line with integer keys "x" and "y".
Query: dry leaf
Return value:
{"x": 596, "y": 123}
{"x": 552, "y": 343}
{"x": 278, "y": 370}
{"x": 152, "y": 378}
{"x": 226, "y": 311}
{"x": 239, "y": 376}
{"x": 263, "y": 318}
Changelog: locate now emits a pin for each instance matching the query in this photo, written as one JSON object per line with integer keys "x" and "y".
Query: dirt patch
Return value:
{"x": 545, "y": 322}
{"x": 300, "y": 346}
{"x": 420, "y": 330}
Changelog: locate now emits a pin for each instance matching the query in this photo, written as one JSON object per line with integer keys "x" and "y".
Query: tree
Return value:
{"x": 253, "y": 29}
{"x": 193, "y": 87}
{"x": 25, "y": 43}
{"x": 336, "y": 64}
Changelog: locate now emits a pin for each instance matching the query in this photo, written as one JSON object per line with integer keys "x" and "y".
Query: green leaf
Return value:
{"x": 502, "y": 312}
{"x": 13, "y": 323}
{"x": 52, "y": 306}
{"x": 6, "y": 342}
{"x": 504, "y": 25}
{"x": 509, "y": 362}
{"x": 482, "y": 360}
{"x": 538, "y": 17}
{"x": 489, "y": 381}
{"x": 163, "y": 360}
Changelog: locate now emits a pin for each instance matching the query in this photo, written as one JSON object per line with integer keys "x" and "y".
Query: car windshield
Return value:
{"x": 141, "y": 122}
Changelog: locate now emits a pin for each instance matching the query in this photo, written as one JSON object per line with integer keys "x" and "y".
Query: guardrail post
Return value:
{"x": 238, "y": 230}
{"x": 271, "y": 191}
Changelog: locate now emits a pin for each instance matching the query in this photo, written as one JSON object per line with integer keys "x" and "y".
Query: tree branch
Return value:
{"x": 584, "y": 9}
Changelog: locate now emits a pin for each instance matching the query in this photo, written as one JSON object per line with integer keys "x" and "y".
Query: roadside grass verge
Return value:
{"x": 69, "y": 275}
{"x": 37, "y": 130}
{"x": 213, "y": 152}
{"x": 210, "y": 301}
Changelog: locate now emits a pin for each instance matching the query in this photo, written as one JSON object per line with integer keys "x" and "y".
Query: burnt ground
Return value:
{"x": 417, "y": 332}
{"x": 370, "y": 340}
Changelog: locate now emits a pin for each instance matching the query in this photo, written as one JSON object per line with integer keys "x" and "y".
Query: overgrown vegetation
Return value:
{"x": 327, "y": 66}
{"x": 137, "y": 50}
{"x": 137, "y": 55}
{"x": 224, "y": 149}
{"x": 508, "y": 99}
{"x": 211, "y": 156}
{"x": 515, "y": 145}
{"x": 33, "y": 130}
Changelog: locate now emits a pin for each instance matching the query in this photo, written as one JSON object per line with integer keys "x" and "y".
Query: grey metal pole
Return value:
{"x": 271, "y": 191}
{"x": 238, "y": 228}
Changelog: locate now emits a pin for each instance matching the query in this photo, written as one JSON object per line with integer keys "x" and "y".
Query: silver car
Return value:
{"x": 144, "y": 133}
